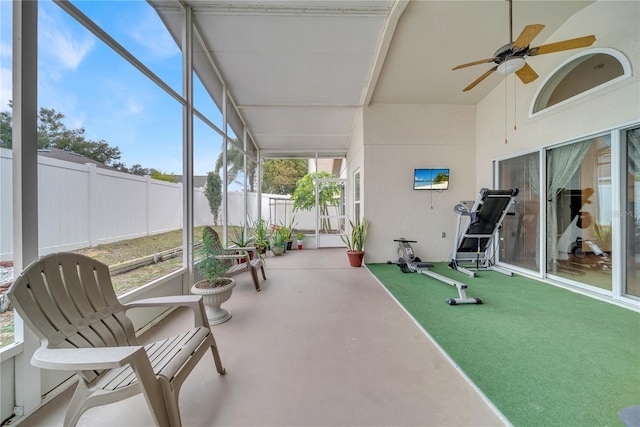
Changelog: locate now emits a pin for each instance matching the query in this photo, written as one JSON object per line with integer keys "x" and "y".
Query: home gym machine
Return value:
{"x": 409, "y": 263}
{"x": 474, "y": 243}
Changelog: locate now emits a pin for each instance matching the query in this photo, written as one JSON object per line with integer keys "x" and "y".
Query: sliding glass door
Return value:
{"x": 579, "y": 212}
{"x": 632, "y": 203}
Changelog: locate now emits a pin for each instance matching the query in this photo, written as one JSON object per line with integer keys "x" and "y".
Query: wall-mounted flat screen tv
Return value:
{"x": 431, "y": 179}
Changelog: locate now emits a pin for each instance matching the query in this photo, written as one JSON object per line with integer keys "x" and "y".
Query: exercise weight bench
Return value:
{"x": 474, "y": 243}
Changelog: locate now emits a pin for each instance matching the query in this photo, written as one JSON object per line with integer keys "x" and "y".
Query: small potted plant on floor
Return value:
{"x": 279, "y": 241}
{"x": 355, "y": 241}
{"x": 215, "y": 288}
{"x": 261, "y": 235}
{"x": 300, "y": 239}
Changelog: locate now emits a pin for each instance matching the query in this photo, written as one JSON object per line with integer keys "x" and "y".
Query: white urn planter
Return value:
{"x": 213, "y": 297}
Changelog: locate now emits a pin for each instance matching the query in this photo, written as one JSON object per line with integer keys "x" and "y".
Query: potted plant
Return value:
{"x": 279, "y": 241}
{"x": 300, "y": 239}
{"x": 288, "y": 232}
{"x": 240, "y": 239}
{"x": 214, "y": 287}
{"x": 261, "y": 235}
{"x": 355, "y": 241}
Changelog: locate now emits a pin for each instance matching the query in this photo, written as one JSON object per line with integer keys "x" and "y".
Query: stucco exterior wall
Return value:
{"x": 398, "y": 139}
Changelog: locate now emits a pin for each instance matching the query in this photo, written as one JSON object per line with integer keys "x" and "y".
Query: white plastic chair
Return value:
{"x": 69, "y": 301}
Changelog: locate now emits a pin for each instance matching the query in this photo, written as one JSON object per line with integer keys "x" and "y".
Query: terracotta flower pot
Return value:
{"x": 355, "y": 258}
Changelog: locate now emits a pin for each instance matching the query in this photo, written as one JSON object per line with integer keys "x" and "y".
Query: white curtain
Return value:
{"x": 633, "y": 149}
{"x": 534, "y": 173}
{"x": 562, "y": 164}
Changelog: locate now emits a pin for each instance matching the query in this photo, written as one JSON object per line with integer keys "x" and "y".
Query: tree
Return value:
{"x": 304, "y": 197}
{"x": 6, "y": 137}
{"x": 279, "y": 176}
{"x": 162, "y": 176}
{"x": 235, "y": 165}
{"x": 213, "y": 193}
{"x": 53, "y": 133}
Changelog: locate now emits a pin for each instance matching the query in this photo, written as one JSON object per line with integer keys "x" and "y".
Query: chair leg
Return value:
{"x": 216, "y": 355}
{"x": 76, "y": 405}
{"x": 151, "y": 389}
{"x": 263, "y": 275}
{"x": 254, "y": 276}
{"x": 171, "y": 399}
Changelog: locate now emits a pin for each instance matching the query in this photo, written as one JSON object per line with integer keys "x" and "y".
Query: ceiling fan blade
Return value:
{"x": 585, "y": 41}
{"x": 482, "y": 61}
{"x": 526, "y": 74}
{"x": 479, "y": 79}
{"x": 528, "y": 33}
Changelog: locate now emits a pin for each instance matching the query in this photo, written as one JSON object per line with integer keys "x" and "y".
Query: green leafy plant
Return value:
{"x": 241, "y": 238}
{"x": 356, "y": 240}
{"x": 213, "y": 265}
{"x": 280, "y": 236}
{"x": 304, "y": 198}
{"x": 288, "y": 228}
{"x": 261, "y": 234}
{"x": 300, "y": 236}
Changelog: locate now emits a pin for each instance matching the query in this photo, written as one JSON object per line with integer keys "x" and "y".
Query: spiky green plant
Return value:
{"x": 355, "y": 242}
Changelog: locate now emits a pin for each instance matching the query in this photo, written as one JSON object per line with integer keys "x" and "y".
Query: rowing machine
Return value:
{"x": 409, "y": 263}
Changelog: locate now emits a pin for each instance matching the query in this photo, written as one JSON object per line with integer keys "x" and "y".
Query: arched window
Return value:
{"x": 581, "y": 74}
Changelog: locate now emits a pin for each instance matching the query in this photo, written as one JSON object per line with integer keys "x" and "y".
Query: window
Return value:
{"x": 581, "y": 74}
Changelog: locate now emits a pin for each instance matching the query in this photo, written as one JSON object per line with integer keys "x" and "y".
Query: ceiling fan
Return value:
{"x": 510, "y": 57}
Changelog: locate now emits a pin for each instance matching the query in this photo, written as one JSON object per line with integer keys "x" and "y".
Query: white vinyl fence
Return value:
{"x": 83, "y": 206}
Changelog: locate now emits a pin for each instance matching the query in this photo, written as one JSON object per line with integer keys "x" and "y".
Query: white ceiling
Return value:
{"x": 299, "y": 71}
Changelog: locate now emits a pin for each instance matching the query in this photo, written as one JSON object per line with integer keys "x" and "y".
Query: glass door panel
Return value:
{"x": 633, "y": 214}
{"x": 579, "y": 212}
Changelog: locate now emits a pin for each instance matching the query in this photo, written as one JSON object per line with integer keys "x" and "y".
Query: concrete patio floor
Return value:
{"x": 323, "y": 344}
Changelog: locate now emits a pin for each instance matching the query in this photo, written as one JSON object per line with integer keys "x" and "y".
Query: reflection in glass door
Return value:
{"x": 579, "y": 212}
{"x": 632, "y": 211}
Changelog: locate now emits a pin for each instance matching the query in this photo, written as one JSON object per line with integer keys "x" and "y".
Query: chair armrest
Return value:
{"x": 236, "y": 255}
{"x": 81, "y": 359}
{"x": 244, "y": 248}
{"x": 194, "y": 302}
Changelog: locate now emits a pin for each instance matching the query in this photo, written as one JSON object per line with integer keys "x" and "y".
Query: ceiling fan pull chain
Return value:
{"x": 515, "y": 106}
{"x": 510, "y": 21}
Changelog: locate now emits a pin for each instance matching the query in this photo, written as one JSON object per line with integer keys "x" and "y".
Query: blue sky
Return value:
{"x": 94, "y": 88}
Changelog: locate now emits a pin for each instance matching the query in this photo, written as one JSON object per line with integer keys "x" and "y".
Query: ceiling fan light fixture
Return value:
{"x": 511, "y": 65}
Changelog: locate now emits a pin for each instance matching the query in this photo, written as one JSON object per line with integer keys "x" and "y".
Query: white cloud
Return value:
{"x": 5, "y": 88}
{"x": 150, "y": 33}
{"x": 5, "y": 75}
{"x": 133, "y": 107}
{"x": 70, "y": 52}
{"x": 60, "y": 44}
{"x": 5, "y": 50}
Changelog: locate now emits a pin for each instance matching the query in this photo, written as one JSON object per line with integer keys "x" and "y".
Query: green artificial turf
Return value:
{"x": 543, "y": 355}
